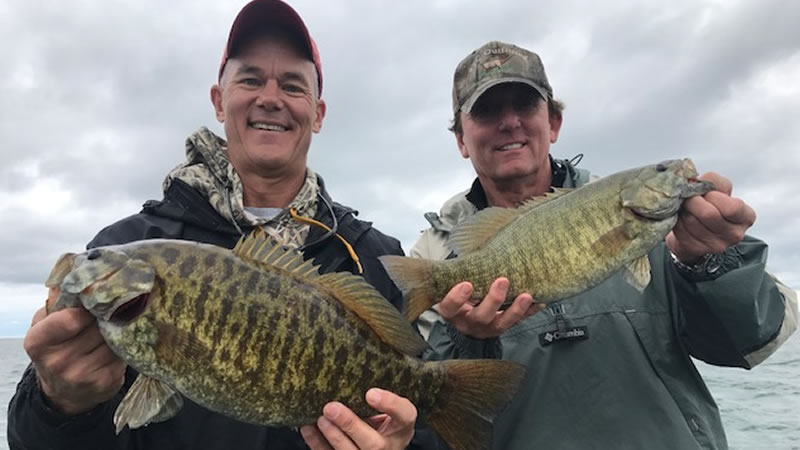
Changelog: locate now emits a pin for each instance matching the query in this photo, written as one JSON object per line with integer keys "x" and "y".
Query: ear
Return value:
{"x": 216, "y": 100}
{"x": 321, "y": 108}
{"x": 462, "y": 148}
{"x": 460, "y": 140}
{"x": 555, "y": 126}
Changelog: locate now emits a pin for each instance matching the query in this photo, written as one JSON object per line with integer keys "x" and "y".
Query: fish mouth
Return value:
{"x": 696, "y": 186}
{"x": 653, "y": 216}
{"x": 129, "y": 310}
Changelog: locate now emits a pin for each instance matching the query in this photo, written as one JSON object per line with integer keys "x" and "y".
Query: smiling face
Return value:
{"x": 507, "y": 135}
{"x": 267, "y": 101}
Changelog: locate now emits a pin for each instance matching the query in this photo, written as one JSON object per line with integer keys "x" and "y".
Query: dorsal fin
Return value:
{"x": 260, "y": 248}
{"x": 535, "y": 202}
{"x": 370, "y": 306}
{"x": 352, "y": 291}
{"x": 474, "y": 232}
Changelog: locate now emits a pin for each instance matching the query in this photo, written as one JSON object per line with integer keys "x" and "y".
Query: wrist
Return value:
{"x": 707, "y": 267}
{"x": 59, "y": 404}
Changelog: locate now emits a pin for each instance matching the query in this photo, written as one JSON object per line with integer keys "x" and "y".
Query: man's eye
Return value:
{"x": 484, "y": 110}
{"x": 250, "y": 81}
{"x": 293, "y": 88}
{"x": 526, "y": 103}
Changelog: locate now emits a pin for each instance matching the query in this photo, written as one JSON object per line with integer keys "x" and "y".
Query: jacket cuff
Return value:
{"x": 52, "y": 418}
{"x": 472, "y": 348}
{"x": 711, "y": 267}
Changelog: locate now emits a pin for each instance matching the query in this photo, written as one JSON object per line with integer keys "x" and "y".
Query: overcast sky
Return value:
{"x": 99, "y": 97}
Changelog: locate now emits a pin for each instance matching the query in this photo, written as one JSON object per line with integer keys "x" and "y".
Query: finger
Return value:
{"x": 452, "y": 303}
{"x": 535, "y": 308}
{"x": 515, "y": 313}
{"x": 732, "y": 210}
{"x": 55, "y": 329}
{"x": 400, "y": 409}
{"x": 685, "y": 241}
{"x": 704, "y": 222}
{"x": 345, "y": 430}
{"x": 103, "y": 363}
{"x": 381, "y": 422}
{"x": 40, "y": 314}
{"x": 336, "y": 437}
{"x": 314, "y": 438}
{"x": 721, "y": 183}
{"x": 67, "y": 323}
{"x": 486, "y": 311}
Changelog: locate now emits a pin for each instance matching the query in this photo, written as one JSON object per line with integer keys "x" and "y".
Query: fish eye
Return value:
{"x": 93, "y": 254}
{"x": 661, "y": 167}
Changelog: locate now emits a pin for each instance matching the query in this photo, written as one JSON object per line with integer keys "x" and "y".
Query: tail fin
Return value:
{"x": 413, "y": 277}
{"x": 476, "y": 391}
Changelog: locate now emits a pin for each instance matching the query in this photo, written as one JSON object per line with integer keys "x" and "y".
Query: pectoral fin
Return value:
{"x": 637, "y": 273}
{"x": 147, "y": 401}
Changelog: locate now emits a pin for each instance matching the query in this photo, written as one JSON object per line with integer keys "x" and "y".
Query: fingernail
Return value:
{"x": 332, "y": 410}
{"x": 373, "y": 396}
{"x": 323, "y": 423}
{"x": 466, "y": 289}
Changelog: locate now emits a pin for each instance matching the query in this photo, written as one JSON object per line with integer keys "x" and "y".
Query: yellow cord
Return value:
{"x": 347, "y": 245}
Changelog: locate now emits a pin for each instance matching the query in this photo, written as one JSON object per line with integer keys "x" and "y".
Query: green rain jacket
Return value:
{"x": 611, "y": 368}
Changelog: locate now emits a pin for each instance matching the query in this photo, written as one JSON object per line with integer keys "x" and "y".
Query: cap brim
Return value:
{"x": 470, "y": 102}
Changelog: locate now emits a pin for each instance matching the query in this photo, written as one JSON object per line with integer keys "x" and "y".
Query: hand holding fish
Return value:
{"x": 485, "y": 320}
{"x": 339, "y": 428}
{"x": 710, "y": 223}
{"x": 75, "y": 368}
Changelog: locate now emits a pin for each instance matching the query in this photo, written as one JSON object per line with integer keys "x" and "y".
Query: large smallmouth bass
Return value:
{"x": 258, "y": 335}
{"x": 560, "y": 244}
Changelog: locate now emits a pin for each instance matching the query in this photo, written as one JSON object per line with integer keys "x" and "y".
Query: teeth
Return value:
{"x": 511, "y": 146}
{"x": 268, "y": 127}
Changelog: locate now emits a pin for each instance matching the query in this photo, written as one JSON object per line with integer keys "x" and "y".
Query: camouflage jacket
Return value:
{"x": 619, "y": 373}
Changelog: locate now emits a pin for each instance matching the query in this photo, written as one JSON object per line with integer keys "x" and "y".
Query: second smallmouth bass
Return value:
{"x": 560, "y": 244}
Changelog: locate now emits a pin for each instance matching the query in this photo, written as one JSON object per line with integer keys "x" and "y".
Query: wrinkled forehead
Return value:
{"x": 263, "y": 51}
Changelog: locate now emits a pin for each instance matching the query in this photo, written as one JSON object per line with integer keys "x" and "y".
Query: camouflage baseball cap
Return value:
{"x": 492, "y": 64}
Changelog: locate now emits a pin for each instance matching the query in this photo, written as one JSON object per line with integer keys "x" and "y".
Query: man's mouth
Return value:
{"x": 268, "y": 126}
{"x": 510, "y": 146}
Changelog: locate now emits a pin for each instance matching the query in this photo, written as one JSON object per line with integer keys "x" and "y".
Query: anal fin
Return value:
{"x": 148, "y": 400}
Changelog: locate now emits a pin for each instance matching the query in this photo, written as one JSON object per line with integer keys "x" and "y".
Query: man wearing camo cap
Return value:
{"x": 610, "y": 367}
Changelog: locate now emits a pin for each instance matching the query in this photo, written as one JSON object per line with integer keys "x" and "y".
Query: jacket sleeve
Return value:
{"x": 34, "y": 425}
{"x": 445, "y": 340}
{"x": 738, "y": 316}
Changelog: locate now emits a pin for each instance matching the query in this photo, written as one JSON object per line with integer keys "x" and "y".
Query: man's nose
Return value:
{"x": 509, "y": 118}
{"x": 270, "y": 96}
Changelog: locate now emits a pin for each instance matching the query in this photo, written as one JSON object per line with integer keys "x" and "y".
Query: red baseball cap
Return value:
{"x": 263, "y": 14}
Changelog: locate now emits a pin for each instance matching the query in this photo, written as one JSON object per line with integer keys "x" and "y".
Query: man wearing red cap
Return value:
{"x": 268, "y": 99}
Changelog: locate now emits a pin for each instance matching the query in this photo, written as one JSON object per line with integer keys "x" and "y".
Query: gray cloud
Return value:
{"x": 100, "y": 97}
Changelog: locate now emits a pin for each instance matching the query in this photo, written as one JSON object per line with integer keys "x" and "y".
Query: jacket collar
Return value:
{"x": 467, "y": 203}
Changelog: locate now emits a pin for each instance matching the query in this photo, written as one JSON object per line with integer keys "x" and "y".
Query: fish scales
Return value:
{"x": 289, "y": 323}
{"x": 566, "y": 236}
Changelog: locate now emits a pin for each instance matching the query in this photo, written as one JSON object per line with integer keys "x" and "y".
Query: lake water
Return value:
{"x": 760, "y": 408}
